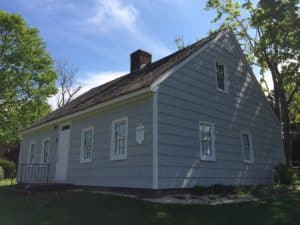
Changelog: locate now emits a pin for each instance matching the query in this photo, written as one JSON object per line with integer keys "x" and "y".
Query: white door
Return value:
{"x": 62, "y": 153}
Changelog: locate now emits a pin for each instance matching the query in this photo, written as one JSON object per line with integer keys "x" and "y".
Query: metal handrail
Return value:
{"x": 34, "y": 173}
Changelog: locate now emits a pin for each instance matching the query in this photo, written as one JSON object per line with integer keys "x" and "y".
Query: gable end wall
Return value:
{"x": 188, "y": 96}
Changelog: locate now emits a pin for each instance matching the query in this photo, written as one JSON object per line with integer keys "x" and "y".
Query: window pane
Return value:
{"x": 46, "y": 151}
{"x": 87, "y": 153}
{"x": 220, "y": 76}
{"x": 119, "y": 138}
{"x": 246, "y": 146}
{"x": 32, "y": 152}
{"x": 206, "y": 144}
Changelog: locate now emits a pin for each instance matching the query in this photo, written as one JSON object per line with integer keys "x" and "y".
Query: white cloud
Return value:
{"x": 113, "y": 14}
{"x": 91, "y": 80}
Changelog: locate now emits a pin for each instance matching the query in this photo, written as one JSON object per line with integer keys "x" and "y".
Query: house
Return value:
{"x": 195, "y": 117}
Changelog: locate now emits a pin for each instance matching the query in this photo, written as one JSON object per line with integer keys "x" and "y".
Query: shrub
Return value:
{"x": 216, "y": 189}
{"x": 283, "y": 175}
{"x": 9, "y": 168}
{"x": 1, "y": 173}
{"x": 200, "y": 190}
{"x": 222, "y": 189}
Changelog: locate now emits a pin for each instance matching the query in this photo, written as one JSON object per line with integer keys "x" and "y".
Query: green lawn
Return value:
{"x": 83, "y": 208}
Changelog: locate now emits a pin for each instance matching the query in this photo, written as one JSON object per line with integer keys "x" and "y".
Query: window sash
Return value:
{"x": 46, "y": 150}
{"x": 220, "y": 76}
{"x": 87, "y": 145}
{"x": 119, "y": 139}
{"x": 246, "y": 144}
{"x": 32, "y": 153}
{"x": 207, "y": 139}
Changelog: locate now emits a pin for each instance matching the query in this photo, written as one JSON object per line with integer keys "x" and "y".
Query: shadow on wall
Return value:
{"x": 240, "y": 173}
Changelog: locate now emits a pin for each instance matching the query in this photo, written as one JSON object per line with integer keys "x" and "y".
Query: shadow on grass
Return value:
{"x": 72, "y": 208}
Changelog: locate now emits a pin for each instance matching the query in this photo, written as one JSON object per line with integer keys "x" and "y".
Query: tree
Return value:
{"x": 269, "y": 34}
{"x": 67, "y": 75}
{"x": 179, "y": 41}
{"x": 27, "y": 77}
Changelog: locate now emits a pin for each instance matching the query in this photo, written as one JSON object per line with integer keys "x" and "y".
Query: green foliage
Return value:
{"x": 27, "y": 77}
{"x": 179, "y": 41}
{"x": 216, "y": 189}
{"x": 269, "y": 34}
{"x": 9, "y": 168}
{"x": 283, "y": 174}
{"x": 1, "y": 173}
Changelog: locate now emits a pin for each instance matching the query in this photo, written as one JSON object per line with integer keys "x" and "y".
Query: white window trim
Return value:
{"x": 82, "y": 160}
{"x": 114, "y": 122}
{"x": 251, "y": 147}
{"x": 226, "y": 81}
{"x": 213, "y": 143}
{"x": 42, "y": 151}
{"x": 29, "y": 152}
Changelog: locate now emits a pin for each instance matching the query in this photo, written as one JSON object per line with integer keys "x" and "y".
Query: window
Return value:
{"x": 31, "y": 153}
{"x": 66, "y": 127}
{"x": 247, "y": 147}
{"x": 87, "y": 145}
{"x": 207, "y": 141}
{"x": 45, "y": 151}
{"x": 119, "y": 139}
{"x": 221, "y": 77}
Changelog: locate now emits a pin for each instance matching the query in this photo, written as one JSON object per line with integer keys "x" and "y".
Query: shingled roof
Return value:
{"x": 126, "y": 84}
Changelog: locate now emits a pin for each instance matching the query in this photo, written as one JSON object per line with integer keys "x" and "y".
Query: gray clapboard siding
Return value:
{"x": 136, "y": 170}
{"x": 190, "y": 95}
{"x": 38, "y": 138}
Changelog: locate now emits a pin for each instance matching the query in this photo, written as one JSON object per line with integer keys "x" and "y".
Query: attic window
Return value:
{"x": 221, "y": 77}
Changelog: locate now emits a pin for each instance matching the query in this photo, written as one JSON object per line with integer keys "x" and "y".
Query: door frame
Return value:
{"x": 67, "y": 162}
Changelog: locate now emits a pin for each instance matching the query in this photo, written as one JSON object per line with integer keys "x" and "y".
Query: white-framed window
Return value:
{"x": 119, "y": 139}
{"x": 87, "y": 142}
{"x": 221, "y": 77}
{"x": 247, "y": 147}
{"x": 207, "y": 141}
{"x": 45, "y": 154}
{"x": 32, "y": 152}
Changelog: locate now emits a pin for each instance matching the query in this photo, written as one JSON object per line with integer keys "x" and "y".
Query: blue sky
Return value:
{"x": 97, "y": 36}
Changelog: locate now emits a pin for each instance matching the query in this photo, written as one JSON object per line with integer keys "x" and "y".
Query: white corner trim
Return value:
{"x": 155, "y": 141}
{"x": 43, "y": 149}
{"x": 82, "y": 160}
{"x": 90, "y": 109}
{"x": 162, "y": 78}
{"x": 114, "y": 122}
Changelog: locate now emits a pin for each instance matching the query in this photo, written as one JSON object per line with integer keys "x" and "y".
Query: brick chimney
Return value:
{"x": 139, "y": 59}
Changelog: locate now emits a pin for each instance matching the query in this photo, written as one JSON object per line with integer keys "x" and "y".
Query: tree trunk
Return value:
{"x": 283, "y": 110}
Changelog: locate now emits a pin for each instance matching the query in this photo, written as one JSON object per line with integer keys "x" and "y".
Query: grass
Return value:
{"x": 72, "y": 208}
{"x": 7, "y": 182}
